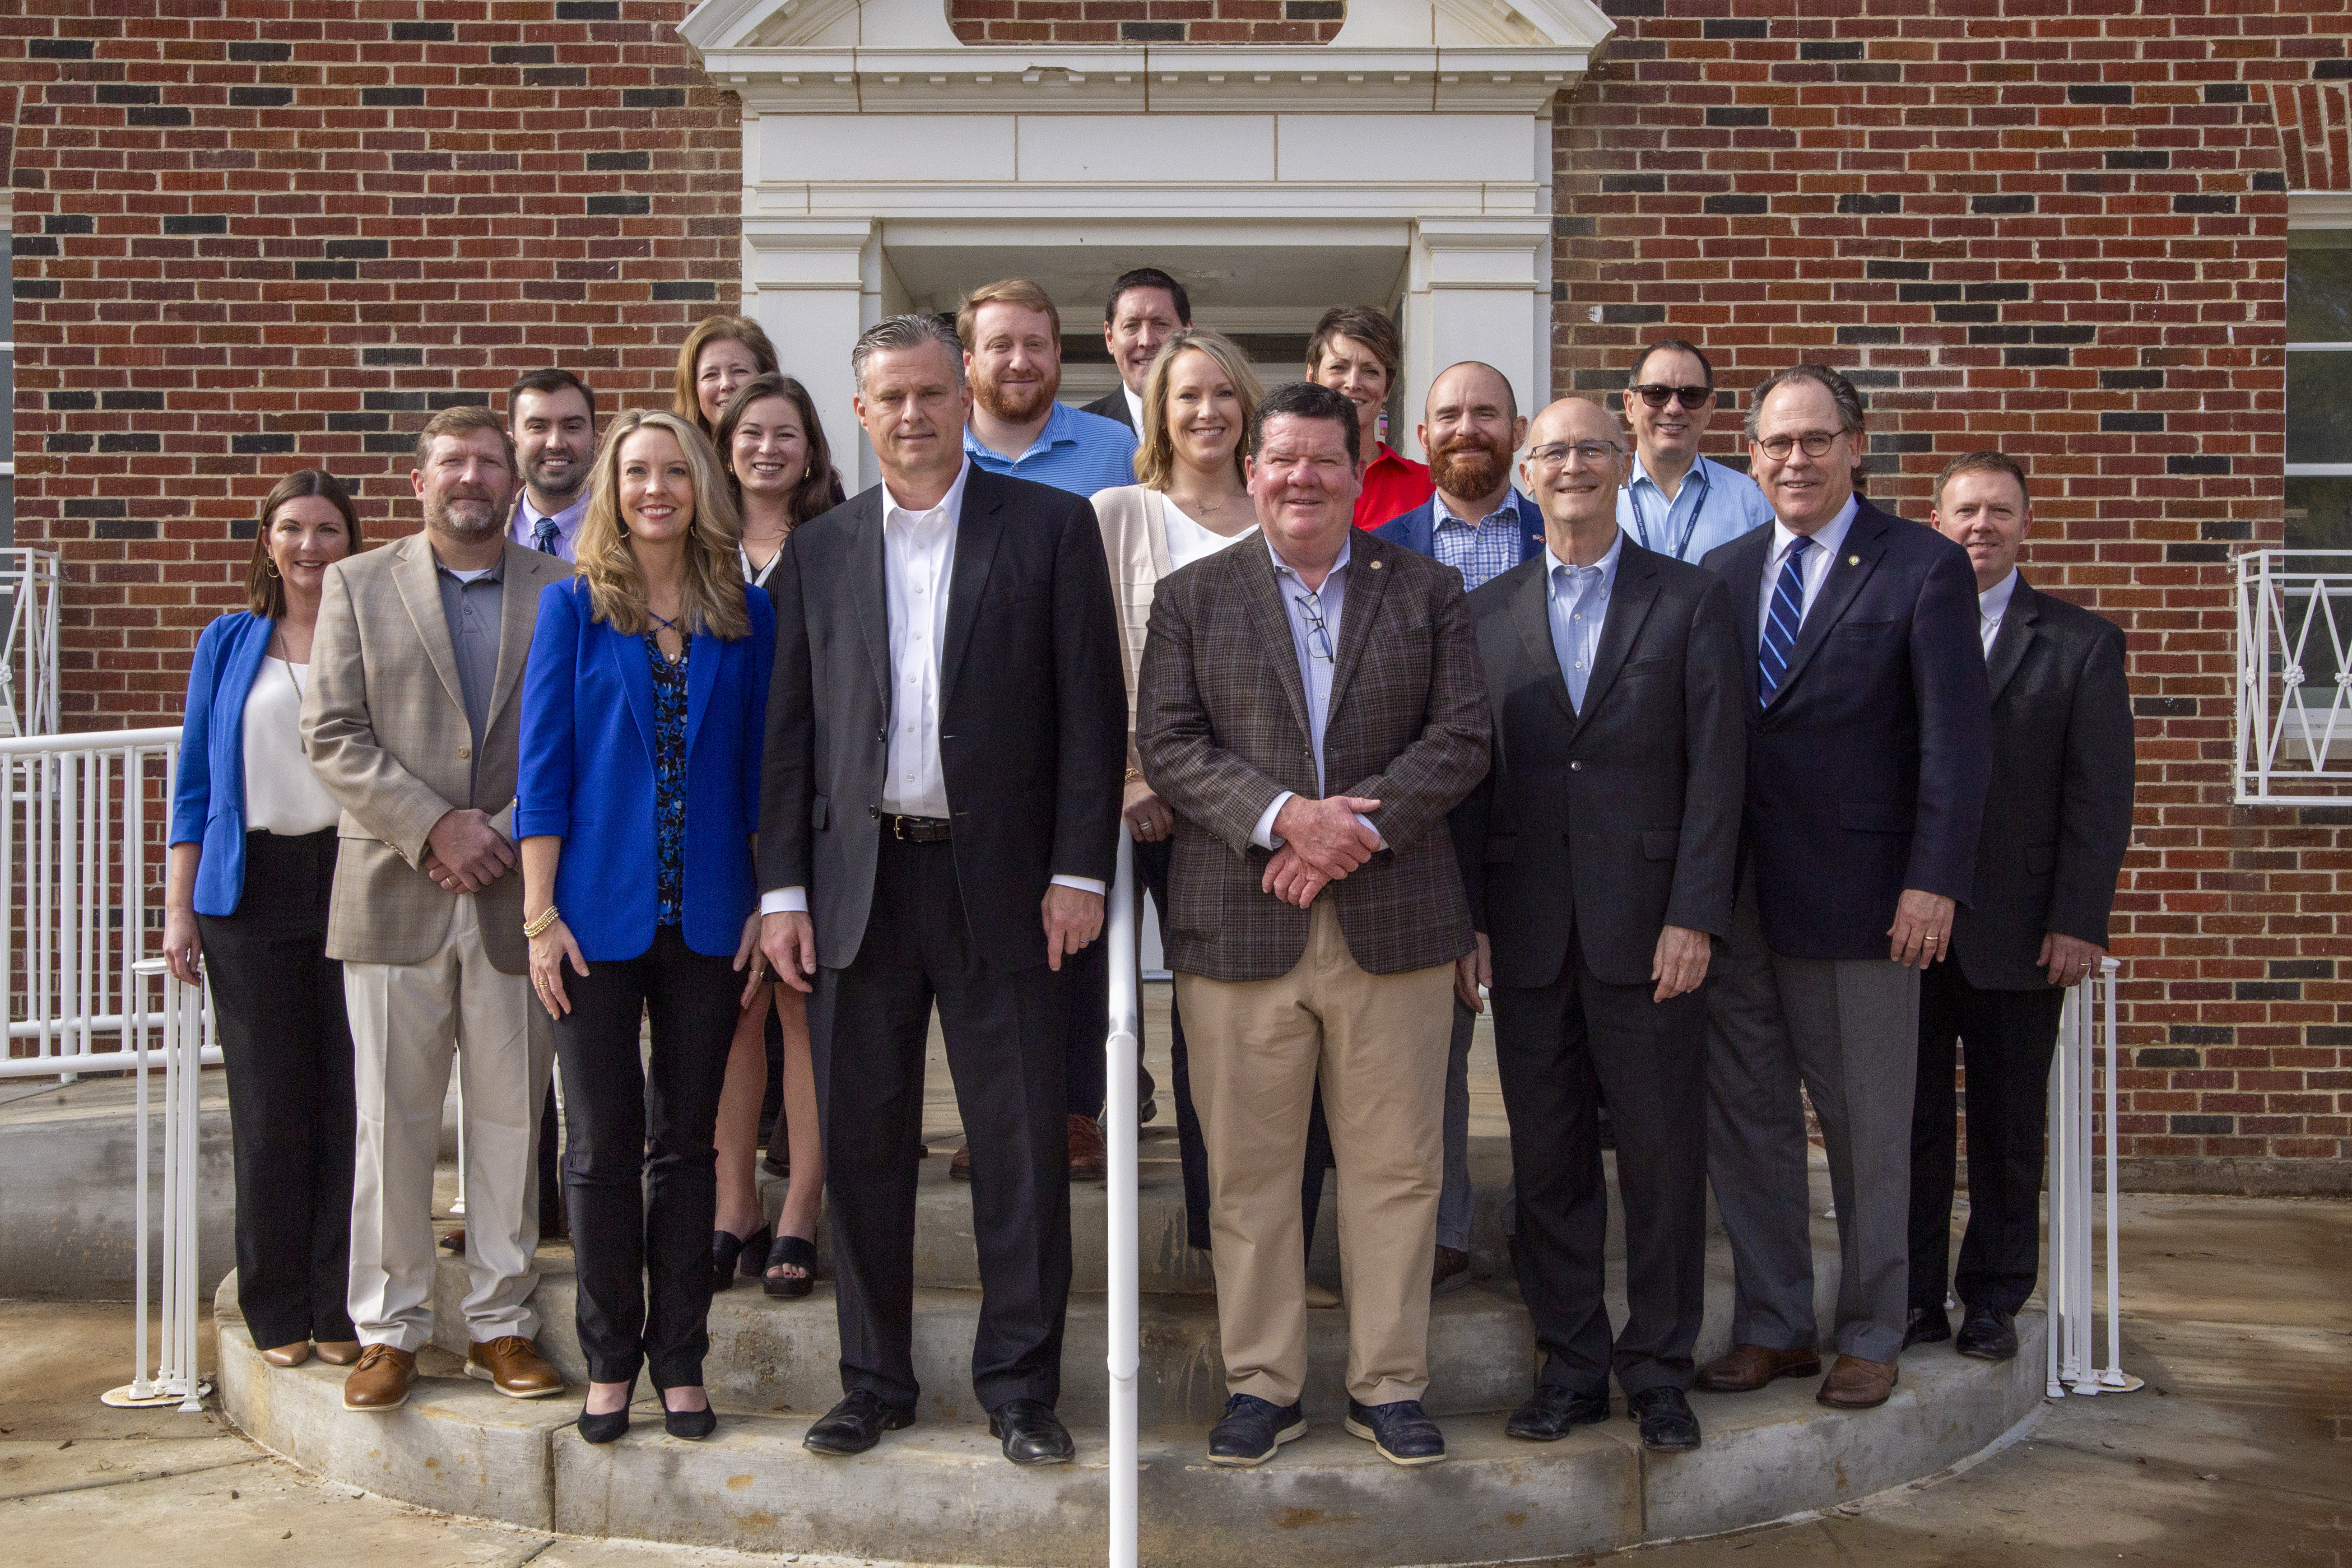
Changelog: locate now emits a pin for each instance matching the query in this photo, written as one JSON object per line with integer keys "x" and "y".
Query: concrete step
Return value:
{"x": 941, "y": 1492}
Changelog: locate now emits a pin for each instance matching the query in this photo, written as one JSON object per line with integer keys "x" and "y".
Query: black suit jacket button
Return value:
{"x": 1576, "y": 767}
{"x": 875, "y": 812}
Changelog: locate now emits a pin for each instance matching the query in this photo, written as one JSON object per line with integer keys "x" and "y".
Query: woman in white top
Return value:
{"x": 252, "y": 861}
{"x": 1192, "y": 503}
{"x": 775, "y": 449}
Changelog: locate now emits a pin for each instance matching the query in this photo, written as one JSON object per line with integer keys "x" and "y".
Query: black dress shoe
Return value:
{"x": 1987, "y": 1333}
{"x": 1667, "y": 1424}
{"x": 1032, "y": 1434}
{"x": 607, "y": 1427}
{"x": 1547, "y": 1417}
{"x": 1253, "y": 1429}
{"x": 1926, "y": 1326}
{"x": 855, "y": 1424}
{"x": 1401, "y": 1430}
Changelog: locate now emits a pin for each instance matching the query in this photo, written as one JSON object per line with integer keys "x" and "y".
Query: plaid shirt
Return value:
{"x": 1480, "y": 551}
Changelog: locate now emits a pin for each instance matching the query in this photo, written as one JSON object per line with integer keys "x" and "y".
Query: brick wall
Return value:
{"x": 1145, "y": 21}
{"x": 251, "y": 237}
{"x": 2060, "y": 230}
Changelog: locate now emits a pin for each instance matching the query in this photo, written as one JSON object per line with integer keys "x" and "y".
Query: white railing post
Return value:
{"x": 2075, "y": 1123}
{"x": 1124, "y": 1282}
{"x": 187, "y": 1025}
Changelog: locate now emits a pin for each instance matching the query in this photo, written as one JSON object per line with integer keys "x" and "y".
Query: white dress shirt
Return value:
{"x": 1134, "y": 410}
{"x": 1828, "y": 539}
{"x": 1991, "y": 606}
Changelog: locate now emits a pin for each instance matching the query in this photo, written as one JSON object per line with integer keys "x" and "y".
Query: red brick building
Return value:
{"x": 248, "y": 236}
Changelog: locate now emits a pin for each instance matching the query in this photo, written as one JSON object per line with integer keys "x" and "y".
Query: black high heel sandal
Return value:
{"x": 690, "y": 1425}
{"x": 729, "y": 1252}
{"x": 790, "y": 1252}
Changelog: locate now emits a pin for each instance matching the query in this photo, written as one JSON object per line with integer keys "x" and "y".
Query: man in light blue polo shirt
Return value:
{"x": 1679, "y": 503}
{"x": 1013, "y": 355}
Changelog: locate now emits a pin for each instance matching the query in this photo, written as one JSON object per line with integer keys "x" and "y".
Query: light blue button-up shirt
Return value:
{"x": 1481, "y": 551}
{"x": 1314, "y": 617}
{"x": 1577, "y": 599}
{"x": 1715, "y": 506}
{"x": 1076, "y": 451}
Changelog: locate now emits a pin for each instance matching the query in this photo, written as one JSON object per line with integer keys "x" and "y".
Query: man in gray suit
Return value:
{"x": 410, "y": 721}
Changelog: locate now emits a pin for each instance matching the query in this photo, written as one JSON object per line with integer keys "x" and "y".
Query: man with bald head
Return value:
{"x": 1597, "y": 856}
{"x": 1482, "y": 527}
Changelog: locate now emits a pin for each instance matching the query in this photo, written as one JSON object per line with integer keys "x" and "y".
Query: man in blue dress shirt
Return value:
{"x": 1679, "y": 503}
{"x": 551, "y": 415}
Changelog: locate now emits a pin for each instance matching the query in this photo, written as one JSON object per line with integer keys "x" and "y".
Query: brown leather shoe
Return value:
{"x": 381, "y": 1379}
{"x": 294, "y": 1354}
{"x": 338, "y": 1352}
{"x": 514, "y": 1367}
{"x": 1089, "y": 1161}
{"x": 1854, "y": 1384}
{"x": 1749, "y": 1367}
{"x": 454, "y": 1241}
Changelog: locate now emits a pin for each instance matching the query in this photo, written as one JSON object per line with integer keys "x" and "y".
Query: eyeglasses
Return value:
{"x": 1592, "y": 454}
{"x": 1816, "y": 443}
{"x": 1319, "y": 635}
{"x": 1658, "y": 396}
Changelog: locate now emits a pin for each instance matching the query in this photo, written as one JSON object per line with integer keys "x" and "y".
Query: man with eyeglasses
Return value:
{"x": 1869, "y": 748}
{"x": 1679, "y": 503}
{"x": 1597, "y": 856}
{"x": 1312, "y": 709}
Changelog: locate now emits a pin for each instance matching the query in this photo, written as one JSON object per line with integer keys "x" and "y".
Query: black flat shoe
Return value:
{"x": 1553, "y": 1412}
{"x": 1032, "y": 1433}
{"x": 792, "y": 1252}
{"x": 1926, "y": 1326}
{"x": 855, "y": 1425}
{"x": 1987, "y": 1333}
{"x": 605, "y": 1428}
{"x": 729, "y": 1252}
{"x": 1668, "y": 1425}
{"x": 1400, "y": 1430}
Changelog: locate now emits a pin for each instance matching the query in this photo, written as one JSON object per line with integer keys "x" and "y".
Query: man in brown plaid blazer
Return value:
{"x": 1312, "y": 705}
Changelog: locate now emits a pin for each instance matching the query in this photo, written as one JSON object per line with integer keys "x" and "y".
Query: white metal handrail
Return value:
{"x": 1126, "y": 1259}
{"x": 2294, "y": 678}
{"x": 2074, "y": 1097}
{"x": 28, "y": 647}
{"x": 186, "y": 1033}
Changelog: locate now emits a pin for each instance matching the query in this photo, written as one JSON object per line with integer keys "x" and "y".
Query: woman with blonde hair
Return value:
{"x": 718, "y": 357}
{"x": 645, "y": 705}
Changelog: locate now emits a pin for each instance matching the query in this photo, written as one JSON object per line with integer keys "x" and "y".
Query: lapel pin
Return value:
{"x": 1376, "y": 565}
{"x": 1853, "y": 560}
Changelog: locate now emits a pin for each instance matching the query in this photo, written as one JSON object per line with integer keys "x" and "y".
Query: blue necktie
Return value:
{"x": 1787, "y": 613}
{"x": 544, "y": 538}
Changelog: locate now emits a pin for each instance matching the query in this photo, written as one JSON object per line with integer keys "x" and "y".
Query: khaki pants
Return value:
{"x": 1376, "y": 1042}
{"x": 405, "y": 1020}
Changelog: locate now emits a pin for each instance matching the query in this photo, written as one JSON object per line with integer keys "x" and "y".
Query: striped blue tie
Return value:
{"x": 1780, "y": 625}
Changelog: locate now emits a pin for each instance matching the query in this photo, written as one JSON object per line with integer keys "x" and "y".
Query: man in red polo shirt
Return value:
{"x": 1356, "y": 353}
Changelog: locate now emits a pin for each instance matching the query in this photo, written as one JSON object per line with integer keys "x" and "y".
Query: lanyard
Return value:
{"x": 1699, "y": 503}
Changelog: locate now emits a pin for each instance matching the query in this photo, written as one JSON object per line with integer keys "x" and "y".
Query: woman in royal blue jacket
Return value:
{"x": 252, "y": 861}
{"x": 644, "y": 709}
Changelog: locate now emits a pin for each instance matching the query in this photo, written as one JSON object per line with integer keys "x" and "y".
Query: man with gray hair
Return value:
{"x": 947, "y": 743}
{"x": 1869, "y": 741}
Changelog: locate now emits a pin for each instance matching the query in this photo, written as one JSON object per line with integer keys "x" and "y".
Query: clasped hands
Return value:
{"x": 464, "y": 854}
{"x": 1322, "y": 841}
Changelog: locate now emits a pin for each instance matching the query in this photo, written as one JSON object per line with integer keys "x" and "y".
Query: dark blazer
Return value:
{"x": 208, "y": 784}
{"x": 1033, "y": 713}
{"x": 1112, "y": 405}
{"x": 1416, "y": 530}
{"x": 1220, "y": 726}
{"x": 1608, "y": 822}
{"x": 587, "y": 773}
{"x": 2060, "y": 808}
{"x": 1866, "y": 774}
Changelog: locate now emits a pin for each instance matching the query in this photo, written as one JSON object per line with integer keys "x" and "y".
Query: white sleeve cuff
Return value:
{"x": 785, "y": 901}
{"x": 1263, "y": 834}
{"x": 1083, "y": 884}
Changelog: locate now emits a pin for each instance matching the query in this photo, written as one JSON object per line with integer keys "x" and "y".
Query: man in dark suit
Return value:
{"x": 1311, "y": 707}
{"x": 1146, "y": 307}
{"x": 1597, "y": 856}
{"x": 1867, "y": 755}
{"x": 2061, "y": 810}
{"x": 945, "y": 750}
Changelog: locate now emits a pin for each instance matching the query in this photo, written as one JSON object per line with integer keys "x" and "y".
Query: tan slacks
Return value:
{"x": 1376, "y": 1043}
{"x": 406, "y": 1019}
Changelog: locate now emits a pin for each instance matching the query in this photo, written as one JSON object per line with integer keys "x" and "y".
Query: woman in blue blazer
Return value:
{"x": 644, "y": 704}
{"x": 252, "y": 861}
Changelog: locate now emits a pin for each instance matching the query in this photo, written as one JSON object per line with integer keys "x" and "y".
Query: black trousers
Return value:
{"x": 293, "y": 1111}
{"x": 2008, "y": 1036}
{"x": 640, "y": 1172}
{"x": 1152, "y": 862}
{"x": 1560, "y": 1048}
{"x": 1006, "y": 1030}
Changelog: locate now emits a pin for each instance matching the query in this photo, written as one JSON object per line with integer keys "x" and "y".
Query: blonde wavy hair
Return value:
{"x": 1155, "y": 460}
{"x": 713, "y": 593}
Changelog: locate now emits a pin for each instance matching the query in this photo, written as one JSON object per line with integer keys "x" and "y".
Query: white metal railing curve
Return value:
{"x": 2086, "y": 1028}
{"x": 28, "y": 647}
{"x": 2294, "y": 678}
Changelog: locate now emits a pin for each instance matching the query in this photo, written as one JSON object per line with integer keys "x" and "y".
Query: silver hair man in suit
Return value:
{"x": 410, "y": 721}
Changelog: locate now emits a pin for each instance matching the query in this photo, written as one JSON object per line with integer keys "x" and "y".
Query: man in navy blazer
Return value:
{"x": 1868, "y": 755}
{"x": 1477, "y": 523}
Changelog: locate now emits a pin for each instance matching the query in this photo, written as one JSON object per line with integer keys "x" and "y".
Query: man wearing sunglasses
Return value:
{"x": 1679, "y": 503}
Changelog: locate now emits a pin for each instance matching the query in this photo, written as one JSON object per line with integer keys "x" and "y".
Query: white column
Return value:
{"x": 814, "y": 284}
{"x": 1478, "y": 289}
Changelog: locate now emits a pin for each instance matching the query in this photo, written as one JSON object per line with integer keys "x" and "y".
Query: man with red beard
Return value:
{"x": 1482, "y": 527}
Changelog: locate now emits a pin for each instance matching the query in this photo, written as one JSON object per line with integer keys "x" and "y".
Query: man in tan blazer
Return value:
{"x": 411, "y": 719}
{"x": 1311, "y": 707}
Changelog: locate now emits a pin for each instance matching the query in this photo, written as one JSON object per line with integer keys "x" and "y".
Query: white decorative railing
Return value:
{"x": 2295, "y": 680}
{"x": 2084, "y": 1028}
{"x": 186, "y": 1027}
{"x": 28, "y": 647}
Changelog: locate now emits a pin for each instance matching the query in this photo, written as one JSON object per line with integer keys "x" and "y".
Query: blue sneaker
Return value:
{"x": 1401, "y": 1431}
{"x": 1253, "y": 1429}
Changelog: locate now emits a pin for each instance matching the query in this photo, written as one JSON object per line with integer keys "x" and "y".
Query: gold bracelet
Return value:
{"x": 539, "y": 927}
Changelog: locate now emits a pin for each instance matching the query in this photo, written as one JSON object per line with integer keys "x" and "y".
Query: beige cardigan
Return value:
{"x": 1135, "y": 539}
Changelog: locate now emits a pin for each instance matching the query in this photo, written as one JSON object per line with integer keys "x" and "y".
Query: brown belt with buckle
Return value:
{"x": 916, "y": 829}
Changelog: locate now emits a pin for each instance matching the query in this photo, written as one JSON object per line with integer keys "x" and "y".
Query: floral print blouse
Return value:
{"x": 669, "y": 781}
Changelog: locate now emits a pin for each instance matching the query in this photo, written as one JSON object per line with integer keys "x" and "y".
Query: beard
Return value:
{"x": 1017, "y": 406}
{"x": 565, "y": 488}
{"x": 1467, "y": 466}
{"x": 467, "y": 518}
